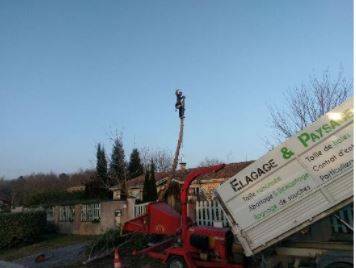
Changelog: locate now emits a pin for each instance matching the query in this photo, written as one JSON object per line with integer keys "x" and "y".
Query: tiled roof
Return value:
{"x": 228, "y": 171}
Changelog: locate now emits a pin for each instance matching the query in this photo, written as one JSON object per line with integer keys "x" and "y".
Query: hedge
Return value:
{"x": 21, "y": 228}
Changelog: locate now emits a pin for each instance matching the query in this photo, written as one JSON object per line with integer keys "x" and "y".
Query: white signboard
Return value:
{"x": 270, "y": 189}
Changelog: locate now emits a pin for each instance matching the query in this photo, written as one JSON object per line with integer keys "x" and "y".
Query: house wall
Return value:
{"x": 136, "y": 192}
{"x": 108, "y": 220}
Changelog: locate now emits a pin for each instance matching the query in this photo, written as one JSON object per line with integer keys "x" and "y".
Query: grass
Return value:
{"x": 51, "y": 242}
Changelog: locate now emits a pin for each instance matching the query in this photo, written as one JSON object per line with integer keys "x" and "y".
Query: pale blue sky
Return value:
{"x": 71, "y": 72}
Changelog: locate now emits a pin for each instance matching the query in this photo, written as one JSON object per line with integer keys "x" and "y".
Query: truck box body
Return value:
{"x": 299, "y": 182}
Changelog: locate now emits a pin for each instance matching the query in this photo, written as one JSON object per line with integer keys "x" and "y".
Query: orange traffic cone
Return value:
{"x": 117, "y": 259}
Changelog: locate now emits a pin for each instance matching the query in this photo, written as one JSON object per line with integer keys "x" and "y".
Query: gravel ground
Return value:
{"x": 127, "y": 262}
{"x": 5, "y": 264}
{"x": 73, "y": 256}
{"x": 59, "y": 257}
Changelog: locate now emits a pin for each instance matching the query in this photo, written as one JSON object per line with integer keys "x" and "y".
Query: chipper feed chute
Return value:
{"x": 160, "y": 219}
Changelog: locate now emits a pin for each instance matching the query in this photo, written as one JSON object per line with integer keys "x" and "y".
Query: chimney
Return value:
{"x": 182, "y": 165}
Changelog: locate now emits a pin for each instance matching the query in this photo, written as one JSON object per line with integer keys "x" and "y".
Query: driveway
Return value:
{"x": 5, "y": 264}
{"x": 58, "y": 257}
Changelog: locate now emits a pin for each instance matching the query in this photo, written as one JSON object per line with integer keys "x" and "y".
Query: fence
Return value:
{"x": 140, "y": 209}
{"x": 208, "y": 213}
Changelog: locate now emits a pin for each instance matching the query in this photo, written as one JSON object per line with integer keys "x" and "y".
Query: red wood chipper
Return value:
{"x": 184, "y": 244}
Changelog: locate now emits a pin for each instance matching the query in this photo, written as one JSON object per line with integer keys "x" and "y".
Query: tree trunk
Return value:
{"x": 175, "y": 161}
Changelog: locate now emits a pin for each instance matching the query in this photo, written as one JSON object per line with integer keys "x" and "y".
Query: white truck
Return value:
{"x": 303, "y": 180}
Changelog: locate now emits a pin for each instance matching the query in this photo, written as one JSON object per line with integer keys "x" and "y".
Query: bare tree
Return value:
{"x": 145, "y": 153}
{"x": 308, "y": 102}
{"x": 209, "y": 162}
{"x": 19, "y": 189}
{"x": 161, "y": 158}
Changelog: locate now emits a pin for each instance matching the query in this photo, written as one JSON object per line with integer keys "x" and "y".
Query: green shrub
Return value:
{"x": 108, "y": 240}
{"x": 51, "y": 228}
{"x": 21, "y": 228}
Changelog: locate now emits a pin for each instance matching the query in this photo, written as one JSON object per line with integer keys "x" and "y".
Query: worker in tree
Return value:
{"x": 180, "y": 104}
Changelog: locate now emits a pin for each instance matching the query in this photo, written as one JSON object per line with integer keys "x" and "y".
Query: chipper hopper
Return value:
{"x": 159, "y": 219}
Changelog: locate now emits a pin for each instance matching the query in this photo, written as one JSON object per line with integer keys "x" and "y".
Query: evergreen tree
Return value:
{"x": 101, "y": 166}
{"x": 149, "y": 185}
{"x": 152, "y": 182}
{"x": 135, "y": 167}
{"x": 146, "y": 188}
{"x": 97, "y": 186}
{"x": 118, "y": 166}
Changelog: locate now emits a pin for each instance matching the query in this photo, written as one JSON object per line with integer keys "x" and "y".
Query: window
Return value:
{"x": 90, "y": 212}
{"x": 66, "y": 213}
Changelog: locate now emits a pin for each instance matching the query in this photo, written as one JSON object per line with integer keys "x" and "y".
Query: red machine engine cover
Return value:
{"x": 162, "y": 219}
{"x": 219, "y": 239}
{"x": 209, "y": 231}
{"x": 159, "y": 219}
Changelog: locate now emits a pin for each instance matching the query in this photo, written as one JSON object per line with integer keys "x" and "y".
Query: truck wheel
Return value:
{"x": 335, "y": 261}
{"x": 340, "y": 265}
{"x": 176, "y": 262}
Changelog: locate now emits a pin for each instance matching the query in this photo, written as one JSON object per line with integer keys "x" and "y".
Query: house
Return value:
{"x": 74, "y": 189}
{"x": 5, "y": 203}
{"x": 201, "y": 188}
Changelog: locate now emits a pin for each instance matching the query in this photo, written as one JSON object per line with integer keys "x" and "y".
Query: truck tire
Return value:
{"x": 176, "y": 262}
{"x": 335, "y": 261}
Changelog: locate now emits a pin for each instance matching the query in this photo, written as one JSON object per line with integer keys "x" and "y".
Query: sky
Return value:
{"x": 73, "y": 73}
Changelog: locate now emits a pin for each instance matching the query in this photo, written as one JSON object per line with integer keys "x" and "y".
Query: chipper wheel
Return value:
{"x": 176, "y": 262}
